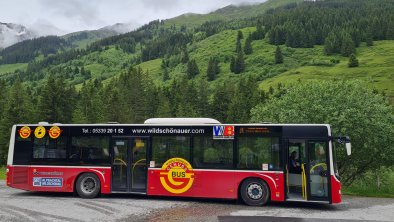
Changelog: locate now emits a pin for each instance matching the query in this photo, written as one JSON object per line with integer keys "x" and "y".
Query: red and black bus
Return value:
{"x": 191, "y": 157}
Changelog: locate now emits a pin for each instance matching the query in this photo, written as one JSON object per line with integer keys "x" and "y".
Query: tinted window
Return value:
{"x": 48, "y": 148}
{"x": 167, "y": 147}
{"x": 22, "y": 150}
{"x": 253, "y": 152}
{"x": 89, "y": 149}
{"x": 210, "y": 153}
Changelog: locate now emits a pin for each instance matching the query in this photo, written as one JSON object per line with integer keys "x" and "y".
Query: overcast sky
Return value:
{"x": 76, "y": 15}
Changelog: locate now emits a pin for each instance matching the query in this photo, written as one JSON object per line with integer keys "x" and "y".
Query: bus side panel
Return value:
{"x": 54, "y": 179}
{"x": 336, "y": 190}
{"x": 206, "y": 183}
{"x": 275, "y": 181}
{"x": 17, "y": 177}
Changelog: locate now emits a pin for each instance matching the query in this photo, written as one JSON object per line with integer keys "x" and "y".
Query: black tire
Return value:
{"x": 255, "y": 192}
{"x": 88, "y": 185}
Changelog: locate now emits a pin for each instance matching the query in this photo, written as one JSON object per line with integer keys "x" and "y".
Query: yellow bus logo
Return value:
{"x": 176, "y": 175}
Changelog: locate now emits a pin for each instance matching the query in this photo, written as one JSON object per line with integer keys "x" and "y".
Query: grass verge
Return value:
{"x": 367, "y": 192}
{"x": 2, "y": 172}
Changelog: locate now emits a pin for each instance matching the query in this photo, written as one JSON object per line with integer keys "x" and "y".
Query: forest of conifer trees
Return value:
{"x": 46, "y": 91}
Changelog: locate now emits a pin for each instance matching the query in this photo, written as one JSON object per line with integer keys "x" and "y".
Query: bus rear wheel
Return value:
{"x": 255, "y": 192}
{"x": 88, "y": 185}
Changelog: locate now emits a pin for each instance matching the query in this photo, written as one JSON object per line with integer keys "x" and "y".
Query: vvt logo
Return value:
{"x": 223, "y": 132}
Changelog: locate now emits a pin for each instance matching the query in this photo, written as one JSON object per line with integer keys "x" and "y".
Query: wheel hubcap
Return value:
{"x": 255, "y": 191}
{"x": 88, "y": 185}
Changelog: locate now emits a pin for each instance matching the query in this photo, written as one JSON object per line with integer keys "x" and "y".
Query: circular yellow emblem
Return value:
{"x": 24, "y": 132}
{"x": 54, "y": 132}
{"x": 176, "y": 175}
{"x": 39, "y": 132}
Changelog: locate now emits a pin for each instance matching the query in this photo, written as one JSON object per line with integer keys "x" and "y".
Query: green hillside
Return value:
{"x": 10, "y": 68}
{"x": 376, "y": 69}
{"x": 156, "y": 43}
{"x": 83, "y": 38}
{"x": 227, "y": 13}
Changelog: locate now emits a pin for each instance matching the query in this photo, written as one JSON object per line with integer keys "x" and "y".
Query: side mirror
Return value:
{"x": 348, "y": 148}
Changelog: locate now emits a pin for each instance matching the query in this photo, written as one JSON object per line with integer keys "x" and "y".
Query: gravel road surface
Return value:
{"x": 19, "y": 205}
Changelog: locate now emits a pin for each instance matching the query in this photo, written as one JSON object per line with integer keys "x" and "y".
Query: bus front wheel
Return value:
{"x": 254, "y": 192}
{"x": 88, "y": 185}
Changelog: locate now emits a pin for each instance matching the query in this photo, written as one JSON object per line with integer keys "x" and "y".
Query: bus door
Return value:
{"x": 317, "y": 171}
{"x": 129, "y": 164}
{"x": 306, "y": 170}
{"x": 296, "y": 156}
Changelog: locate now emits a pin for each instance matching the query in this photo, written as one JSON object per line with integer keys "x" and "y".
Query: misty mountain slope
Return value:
{"x": 12, "y": 33}
{"x": 83, "y": 38}
{"x": 28, "y": 50}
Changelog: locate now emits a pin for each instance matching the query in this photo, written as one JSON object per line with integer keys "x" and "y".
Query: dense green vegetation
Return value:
{"x": 219, "y": 65}
{"x": 350, "y": 108}
{"x": 2, "y": 173}
{"x": 376, "y": 183}
{"x": 10, "y": 68}
{"x": 28, "y": 50}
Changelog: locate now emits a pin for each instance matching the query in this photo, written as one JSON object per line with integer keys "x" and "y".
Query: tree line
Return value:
{"x": 131, "y": 97}
{"x": 338, "y": 25}
{"x": 28, "y": 50}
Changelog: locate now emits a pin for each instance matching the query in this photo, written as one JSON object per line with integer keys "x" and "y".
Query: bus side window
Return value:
{"x": 167, "y": 147}
{"x": 255, "y": 151}
{"x": 211, "y": 153}
{"x": 89, "y": 149}
{"x": 48, "y": 148}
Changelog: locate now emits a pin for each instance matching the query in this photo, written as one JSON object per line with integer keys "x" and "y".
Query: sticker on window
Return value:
{"x": 223, "y": 132}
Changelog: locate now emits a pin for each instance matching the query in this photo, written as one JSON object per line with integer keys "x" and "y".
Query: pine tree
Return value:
{"x": 192, "y": 69}
{"x": 212, "y": 69}
{"x": 259, "y": 33}
{"x": 278, "y": 56}
{"x": 113, "y": 98}
{"x": 245, "y": 97}
{"x": 248, "y": 45}
{"x": 240, "y": 35}
{"x": 203, "y": 95}
{"x": 166, "y": 75}
{"x": 353, "y": 61}
{"x": 238, "y": 46}
{"x": 332, "y": 44}
{"x": 347, "y": 47}
{"x": 369, "y": 38}
{"x": 232, "y": 64}
{"x": 53, "y": 105}
{"x": 239, "y": 65}
{"x": 221, "y": 100}
{"x": 185, "y": 56}
{"x": 18, "y": 109}
{"x": 163, "y": 110}
{"x": 390, "y": 31}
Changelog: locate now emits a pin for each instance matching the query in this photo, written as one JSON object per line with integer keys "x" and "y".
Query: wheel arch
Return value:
{"x": 270, "y": 184}
{"x": 99, "y": 175}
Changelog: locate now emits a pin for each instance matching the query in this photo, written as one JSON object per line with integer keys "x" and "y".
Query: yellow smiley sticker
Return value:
{"x": 39, "y": 132}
